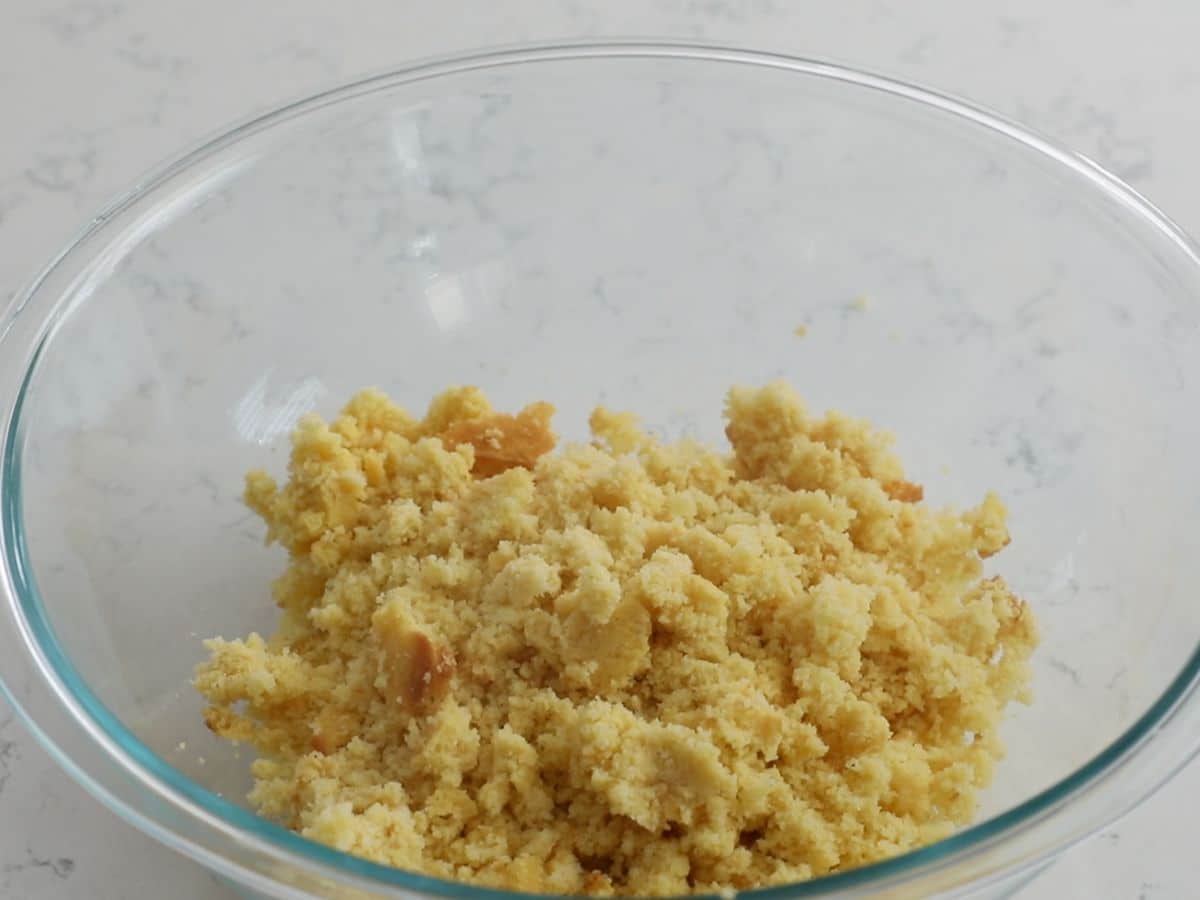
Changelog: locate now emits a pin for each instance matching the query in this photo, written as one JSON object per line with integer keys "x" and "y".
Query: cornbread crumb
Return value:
{"x": 501, "y": 441}
{"x": 905, "y": 491}
{"x": 625, "y": 667}
{"x": 800, "y": 331}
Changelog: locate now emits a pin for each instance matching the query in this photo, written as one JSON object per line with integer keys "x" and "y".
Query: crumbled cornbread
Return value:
{"x": 626, "y": 666}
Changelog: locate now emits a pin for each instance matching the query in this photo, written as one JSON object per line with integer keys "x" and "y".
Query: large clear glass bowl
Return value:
{"x": 640, "y": 225}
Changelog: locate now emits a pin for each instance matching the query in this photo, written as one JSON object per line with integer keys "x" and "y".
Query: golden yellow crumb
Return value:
{"x": 906, "y": 491}
{"x": 502, "y": 441}
{"x": 624, "y": 667}
{"x": 800, "y": 331}
{"x": 861, "y": 303}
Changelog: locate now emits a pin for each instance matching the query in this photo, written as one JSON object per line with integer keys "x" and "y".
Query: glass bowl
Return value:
{"x": 635, "y": 224}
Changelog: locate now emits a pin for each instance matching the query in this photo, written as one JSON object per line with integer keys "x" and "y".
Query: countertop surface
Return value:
{"x": 95, "y": 91}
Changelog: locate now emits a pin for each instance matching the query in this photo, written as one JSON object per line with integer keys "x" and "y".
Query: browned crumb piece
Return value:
{"x": 625, "y": 667}
{"x": 904, "y": 491}
{"x": 502, "y": 441}
{"x": 414, "y": 670}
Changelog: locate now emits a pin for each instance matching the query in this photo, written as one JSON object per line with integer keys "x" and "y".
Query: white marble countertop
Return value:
{"x": 94, "y": 91}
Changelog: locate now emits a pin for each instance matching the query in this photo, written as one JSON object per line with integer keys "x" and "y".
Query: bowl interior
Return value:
{"x": 639, "y": 232}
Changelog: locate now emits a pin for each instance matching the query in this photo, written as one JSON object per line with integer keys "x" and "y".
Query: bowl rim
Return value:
{"x": 47, "y": 659}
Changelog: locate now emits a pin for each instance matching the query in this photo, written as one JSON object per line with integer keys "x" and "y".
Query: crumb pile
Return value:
{"x": 624, "y": 667}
